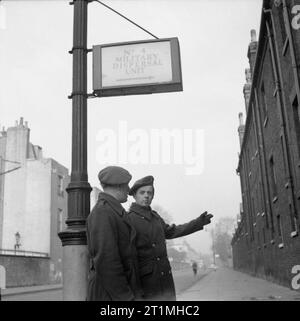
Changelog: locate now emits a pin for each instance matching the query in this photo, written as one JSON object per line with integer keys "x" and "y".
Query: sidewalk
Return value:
{"x": 30, "y": 289}
{"x": 229, "y": 285}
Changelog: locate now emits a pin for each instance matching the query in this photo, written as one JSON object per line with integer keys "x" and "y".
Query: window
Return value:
{"x": 253, "y": 209}
{"x": 264, "y": 102}
{"x": 59, "y": 220}
{"x": 283, "y": 155}
{"x": 248, "y": 163}
{"x": 279, "y": 229}
{"x": 273, "y": 177}
{"x": 281, "y": 24}
{"x": 264, "y": 235}
{"x": 258, "y": 200}
{"x": 297, "y": 122}
{"x": 272, "y": 66}
{"x": 293, "y": 219}
{"x": 60, "y": 185}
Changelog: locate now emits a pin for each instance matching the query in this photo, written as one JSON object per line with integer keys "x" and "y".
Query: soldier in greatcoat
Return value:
{"x": 152, "y": 231}
{"x": 113, "y": 261}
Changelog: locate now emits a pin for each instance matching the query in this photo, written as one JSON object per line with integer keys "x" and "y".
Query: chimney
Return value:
{"x": 247, "y": 88}
{"x": 17, "y": 144}
{"x": 241, "y": 129}
{"x": 252, "y": 49}
{"x": 3, "y": 132}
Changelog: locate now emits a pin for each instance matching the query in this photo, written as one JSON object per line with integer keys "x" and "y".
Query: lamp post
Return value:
{"x": 18, "y": 243}
{"x": 75, "y": 259}
{"x": 213, "y": 245}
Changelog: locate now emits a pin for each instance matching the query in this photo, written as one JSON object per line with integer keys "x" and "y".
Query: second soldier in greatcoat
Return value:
{"x": 152, "y": 231}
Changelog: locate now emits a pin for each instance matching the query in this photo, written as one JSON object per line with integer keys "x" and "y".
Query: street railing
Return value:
{"x": 23, "y": 253}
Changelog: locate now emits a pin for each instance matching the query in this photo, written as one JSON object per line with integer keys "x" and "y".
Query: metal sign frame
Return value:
{"x": 137, "y": 89}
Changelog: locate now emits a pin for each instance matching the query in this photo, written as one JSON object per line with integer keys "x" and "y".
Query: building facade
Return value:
{"x": 33, "y": 202}
{"x": 266, "y": 241}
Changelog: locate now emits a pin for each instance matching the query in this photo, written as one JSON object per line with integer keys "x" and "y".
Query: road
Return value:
{"x": 224, "y": 284}
{"x": 183, "y": 280}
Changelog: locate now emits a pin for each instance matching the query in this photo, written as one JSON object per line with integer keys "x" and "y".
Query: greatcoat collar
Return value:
{"x": 112, "y": 202}
{"x": 143, "y": 211}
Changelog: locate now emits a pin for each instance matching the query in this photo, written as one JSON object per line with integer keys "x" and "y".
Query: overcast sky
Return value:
{"x": 36, "y": 78}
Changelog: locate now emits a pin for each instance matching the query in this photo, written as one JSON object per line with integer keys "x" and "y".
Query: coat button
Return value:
{"x": 162, "y": 273}
{"x": 153, "y": 244}
{"x": 158, "y": 259}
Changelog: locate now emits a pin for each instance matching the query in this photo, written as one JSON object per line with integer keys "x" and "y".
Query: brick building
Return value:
{"x": 266, "y": 241}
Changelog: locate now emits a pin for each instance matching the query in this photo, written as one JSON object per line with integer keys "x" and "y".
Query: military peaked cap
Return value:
{"x": 114, "y": 175}
{"x": 145, "y": 181}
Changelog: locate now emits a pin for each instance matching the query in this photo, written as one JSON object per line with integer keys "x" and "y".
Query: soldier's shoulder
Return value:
{"x": 132, "y": 213}
{"x": 101, "y": 208}
{"x": 156, "y": 214}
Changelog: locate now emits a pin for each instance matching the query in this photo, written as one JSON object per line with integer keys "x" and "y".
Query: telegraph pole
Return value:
{"x": 75, "y": 259}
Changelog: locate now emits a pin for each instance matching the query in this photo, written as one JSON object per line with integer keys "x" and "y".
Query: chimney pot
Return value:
{"x": 248, "y": 75}
{"x": 241, "y": 119}
{"x": 253, "y": 35}
{"x": 21, "y": 120}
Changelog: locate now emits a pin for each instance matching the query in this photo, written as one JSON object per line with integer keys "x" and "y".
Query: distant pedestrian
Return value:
{"x": 110, "y": 237}
{"x": 195, "y": 268}
{"x": 152, "y": 231}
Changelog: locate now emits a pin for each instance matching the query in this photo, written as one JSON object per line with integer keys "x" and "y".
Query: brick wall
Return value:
{"x": 266, "y": 242}
{"x": 26, "y": 271}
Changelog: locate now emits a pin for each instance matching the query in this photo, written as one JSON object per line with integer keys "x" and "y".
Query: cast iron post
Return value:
{"x": 75, "y": 260}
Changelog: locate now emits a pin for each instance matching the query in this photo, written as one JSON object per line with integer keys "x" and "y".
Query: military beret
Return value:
{"x": 114, "y": 175}
{"x": 145, "y": 181}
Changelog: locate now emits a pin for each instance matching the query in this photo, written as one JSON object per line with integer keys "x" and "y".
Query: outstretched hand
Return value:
{"x": 205, "y": 218}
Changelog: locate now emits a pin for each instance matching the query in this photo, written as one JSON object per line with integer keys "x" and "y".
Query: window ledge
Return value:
{"x": 272, "y": 242}
{"x": 254, "y": 224}
{"x": 287, "y": 185}
{"x": 256, "y": 153}
{"x": 294, "y": 233}
{"x": 263, "y": 214}
{"x": 257, "y": 214}
{"x": 266, "y": 121}
{"x": 275, "y": 199}
{"x": 281, "y": 245}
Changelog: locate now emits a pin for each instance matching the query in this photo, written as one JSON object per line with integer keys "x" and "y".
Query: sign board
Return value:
{"x": 2, "y": 277}
{"x": 137, "y": 67}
